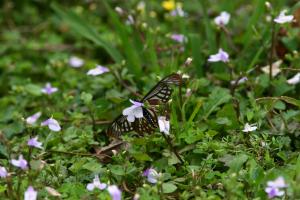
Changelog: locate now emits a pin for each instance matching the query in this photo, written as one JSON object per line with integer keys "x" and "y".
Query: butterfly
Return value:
{"x": 159, "y": 94}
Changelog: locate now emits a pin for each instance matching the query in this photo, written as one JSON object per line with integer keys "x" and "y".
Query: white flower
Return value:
{"x": 76, "y": 62}
{"x": 185, "y": 76}
{"x": 275, "y": 68}
{"x": 282, "y": 18}
{"x": 33, "y": 118}
{"x": 220, "y": 56}
{"x": 52, "y": 124}
{"x": 222, "y": 19}
{"x": 98, "y": 70}
{"x": 188, "y": 92}
{"x": 52, "y": 192}
{"x": 294, "y": 80}
{"x": 30, "y": 194}
{"x": 115, "y": 192}
{"x": 152, "y": 175}
{"x": 164, "y": 125}
{"x": 249, "y": 128}
{"x": 119, "y": 10}
{"x": 188, "y": 61}
{"x": 134, "y": 111}
{"x": 96, "y": 184}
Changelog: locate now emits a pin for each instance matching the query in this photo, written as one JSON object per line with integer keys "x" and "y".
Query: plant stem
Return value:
{"x": 173, "y": 148}
{"x": 272, "y": 51}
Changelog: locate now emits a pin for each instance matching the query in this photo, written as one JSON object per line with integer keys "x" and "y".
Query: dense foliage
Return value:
{"x": 235, "y": 124}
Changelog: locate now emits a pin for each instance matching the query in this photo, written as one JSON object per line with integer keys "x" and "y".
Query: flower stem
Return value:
{"x": 173, "y": 148}
{"x": 272, "y": 51}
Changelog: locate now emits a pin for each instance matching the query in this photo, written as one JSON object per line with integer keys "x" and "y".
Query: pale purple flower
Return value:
{"x": 115, "y": 192}
{"x": 33, "y": 142}
{"x": 273, "y": 187}
{"x": 48, "y": 89}
{"x": 279, "y": 183}
{"x": 76, "y": 62}
{"x": 249, "y": 128}
{"x": 178, "y": 37}
{"x": 30, "y": 194}
{"x": 282, "y": 18}
{"x": 96, "y": 184}
{"x": 98, "y": 70}
{"x": 52, "y": 124}
{"x": 33, "y": 118}
{"x": 294, "y": 80}
{"x": 273, "y": 192}
{"x": 3, "y": 172}
{"x": 178, "y": 12}
{"x": 164, "y": 125}
{"x": 21, "y": 162}
{"x": 152, "y": 175}
{"x": 134, "y": 111}
{"x": 222, "y": 19}
{"x": 129, "y": 20}
{"x": 220, "y": 56}
{"x": 240, "y": 81}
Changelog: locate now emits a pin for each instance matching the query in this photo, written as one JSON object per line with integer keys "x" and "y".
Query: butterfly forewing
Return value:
{"x": 161, "y": 92}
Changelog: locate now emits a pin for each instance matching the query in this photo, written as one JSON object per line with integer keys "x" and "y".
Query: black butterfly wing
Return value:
{"x": 119, "y": 126}
{"x": 162, "y": 91}
{"x": 147, "y": 123}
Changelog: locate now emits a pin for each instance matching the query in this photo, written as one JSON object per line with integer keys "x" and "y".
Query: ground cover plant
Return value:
{"x": 221, "y": 120}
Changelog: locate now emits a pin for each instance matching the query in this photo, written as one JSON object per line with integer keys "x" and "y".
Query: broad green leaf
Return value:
{"x": 236, "y": 164}
{"x": 168, "y": 187}
{"x": 215, "y": 99}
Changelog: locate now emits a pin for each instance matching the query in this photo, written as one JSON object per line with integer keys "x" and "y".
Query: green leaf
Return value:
{"x": 141, "y": 156}
{"x": 86, "y": 97}
{"x": 215, "y": 99}
{"x": 291, "y": 100}
{"x": 33, "y": 89}
{"x": 93, "y": 166}
{"x": 117, "y": 170}
{"x": 168, "y": 187}
{"x": 236, "y": 164}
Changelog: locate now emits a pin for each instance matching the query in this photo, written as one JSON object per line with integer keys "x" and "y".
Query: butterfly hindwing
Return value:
{"x": 119, "y": 126}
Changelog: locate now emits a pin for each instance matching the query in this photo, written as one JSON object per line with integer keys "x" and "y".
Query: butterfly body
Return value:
{"x": 159, "y": 94}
